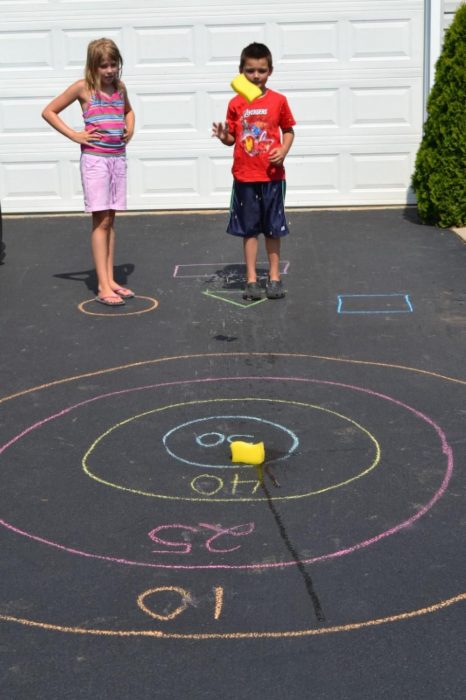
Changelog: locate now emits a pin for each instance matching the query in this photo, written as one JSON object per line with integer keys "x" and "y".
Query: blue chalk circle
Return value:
{"x": 200, "y": 439}
{"x": 190, "y": 440}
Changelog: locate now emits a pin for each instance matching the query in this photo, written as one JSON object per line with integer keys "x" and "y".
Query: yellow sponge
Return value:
{"x": 247, "y": 452}
{"x": 245, "y": 88}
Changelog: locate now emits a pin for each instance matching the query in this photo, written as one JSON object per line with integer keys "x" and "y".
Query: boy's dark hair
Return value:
{"x": 255, "y": 50}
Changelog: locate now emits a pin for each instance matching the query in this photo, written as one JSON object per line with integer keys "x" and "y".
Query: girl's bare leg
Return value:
{"x": 102, "y": 250}
{"x": 250, "y": 246}
{"x": 111, "y": 252}
{"x": 111, "y": 262}
{"x": 272, "y": 246}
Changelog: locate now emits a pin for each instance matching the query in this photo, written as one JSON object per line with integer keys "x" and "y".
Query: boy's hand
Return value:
{"x": 220, "y": 130}
{"x": 277, "y": 155}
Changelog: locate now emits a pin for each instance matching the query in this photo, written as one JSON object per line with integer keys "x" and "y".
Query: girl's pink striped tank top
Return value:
{"x": 106, "y": 113}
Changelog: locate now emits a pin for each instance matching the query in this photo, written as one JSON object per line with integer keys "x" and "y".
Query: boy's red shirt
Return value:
{"x": 257, "y": 127}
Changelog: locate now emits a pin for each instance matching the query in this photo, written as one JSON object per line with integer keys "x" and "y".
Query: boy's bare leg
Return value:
{"x": 272, "y": 246}
{"x": 250, "y": 246}
{"x": 100, "y": 243}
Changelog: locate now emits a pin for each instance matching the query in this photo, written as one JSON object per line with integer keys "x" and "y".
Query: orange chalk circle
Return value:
{"x": 284, "y": 634}
{"x": 161, "y": 589}
{"x": 112, "y": 313}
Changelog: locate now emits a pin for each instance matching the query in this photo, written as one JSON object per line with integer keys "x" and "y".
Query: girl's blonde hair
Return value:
{"x": 98, "y": 51}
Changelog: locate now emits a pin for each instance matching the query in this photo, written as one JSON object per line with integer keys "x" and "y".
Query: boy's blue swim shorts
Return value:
{"x": 258, "y": 207}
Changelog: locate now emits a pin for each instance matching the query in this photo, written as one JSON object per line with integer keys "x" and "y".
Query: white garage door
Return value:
{"x": 351, "y": 69}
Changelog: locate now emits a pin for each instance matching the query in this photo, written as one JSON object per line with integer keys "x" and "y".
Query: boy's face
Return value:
{"x": 257, "y": 70}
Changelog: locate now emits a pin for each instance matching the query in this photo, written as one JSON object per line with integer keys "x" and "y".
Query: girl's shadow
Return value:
{"x": 89, "y": 277}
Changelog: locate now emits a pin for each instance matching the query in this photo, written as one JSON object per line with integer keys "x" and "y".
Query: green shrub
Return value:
{"x": 439, "y": 178}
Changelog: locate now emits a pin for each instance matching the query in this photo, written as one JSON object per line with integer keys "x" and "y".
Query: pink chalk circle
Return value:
{"x": 446, "y": 450}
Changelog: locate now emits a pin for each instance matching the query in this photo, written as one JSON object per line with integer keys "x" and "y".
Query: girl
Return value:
{"x": 109, "y": 125}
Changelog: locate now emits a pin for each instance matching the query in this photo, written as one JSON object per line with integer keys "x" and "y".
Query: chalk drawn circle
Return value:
{"x": 230, "y": 465}
{"x": 446, "y": 450}
{"x": 152, "y": 304}
{"x": 201, "y": 439}
{"x": 251, "y": 634}
{"x": 186, "y": 600}
{"x": 313, "y": 492}
{"x": 439, "y": 605}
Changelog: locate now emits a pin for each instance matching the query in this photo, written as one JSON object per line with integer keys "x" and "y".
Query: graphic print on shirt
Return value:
{"x": 254, "y": 135}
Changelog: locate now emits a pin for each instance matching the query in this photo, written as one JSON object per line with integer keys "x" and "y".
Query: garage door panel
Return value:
{"x": 24, "y": 180}
{"x": 382, "y": 40}
{"x": 166, "y": 45}
{"x": 317, "y": 109}
{"x": 222, "y": 42}
{"x": 220, "y": 176}
{"x": 26, "y": 50}
{"x": 162, "y": 176}
{"x": 371, "y": 172}
{"x": 389, "y": 109}
{"x": 167, "y": 113}
{"x": 20, "y": 116}
{"x": 74, "y": 42}
{"x": 307, "y": 42}
{"x": 314, "y": 174}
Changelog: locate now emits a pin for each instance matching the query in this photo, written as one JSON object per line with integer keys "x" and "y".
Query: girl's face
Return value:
{"x": 108, "y": 72}
{"x": 257, "y": 70}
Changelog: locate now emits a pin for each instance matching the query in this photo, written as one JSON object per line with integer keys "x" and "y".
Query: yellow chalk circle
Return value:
{"x": 247, "y": 452}
{"x": 245, "y": 88}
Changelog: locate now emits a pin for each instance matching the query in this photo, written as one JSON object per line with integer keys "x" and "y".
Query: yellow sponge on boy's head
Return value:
{"x": 247, "y": 453}
{"x": 245, "y": 88}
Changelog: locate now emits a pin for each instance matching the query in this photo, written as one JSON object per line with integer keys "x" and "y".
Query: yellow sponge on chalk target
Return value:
{"x": 245, "y": 88}
{"x": 247, "y": 452}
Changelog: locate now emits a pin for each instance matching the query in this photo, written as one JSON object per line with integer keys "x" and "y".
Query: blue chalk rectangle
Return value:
{"x": 374, "y": 304}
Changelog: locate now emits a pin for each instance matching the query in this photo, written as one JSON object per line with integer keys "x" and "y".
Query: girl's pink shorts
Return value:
{"x": 104, "y": 182}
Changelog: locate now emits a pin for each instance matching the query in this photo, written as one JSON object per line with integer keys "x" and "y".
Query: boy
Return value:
{"x": 262, "y": 133}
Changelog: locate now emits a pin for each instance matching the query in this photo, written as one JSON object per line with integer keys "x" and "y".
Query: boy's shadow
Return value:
{"x": 233, "y": 276}
{"x": 89, "y": 277}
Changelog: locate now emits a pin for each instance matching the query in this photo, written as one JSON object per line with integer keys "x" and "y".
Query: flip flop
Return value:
{"x": 106, "y": 300}
{"x": 124, "y": 293}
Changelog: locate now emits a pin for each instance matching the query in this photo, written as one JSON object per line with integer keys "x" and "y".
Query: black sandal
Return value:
{"x": 252, "y": 291}
{"x": 274, "y": 289}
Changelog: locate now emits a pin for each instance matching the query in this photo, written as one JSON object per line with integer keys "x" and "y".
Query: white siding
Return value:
{"x": 351, "y": 69}
{"x": 449, "y": 10}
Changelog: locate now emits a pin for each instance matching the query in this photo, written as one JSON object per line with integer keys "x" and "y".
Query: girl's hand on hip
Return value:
{"x": 128, "y": 135}
{"x": 84, "y": 137}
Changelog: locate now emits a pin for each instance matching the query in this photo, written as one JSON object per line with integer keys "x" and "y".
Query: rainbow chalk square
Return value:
{"x": 374, "y": 304}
